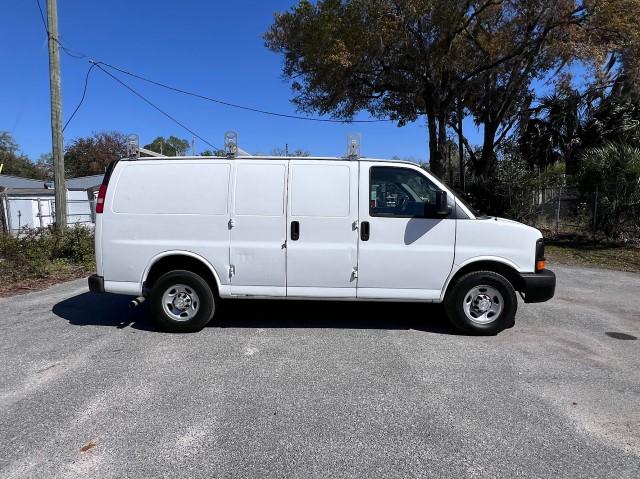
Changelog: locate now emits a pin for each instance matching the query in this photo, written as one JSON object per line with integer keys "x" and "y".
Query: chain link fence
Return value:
{"x": 568, "y": 210}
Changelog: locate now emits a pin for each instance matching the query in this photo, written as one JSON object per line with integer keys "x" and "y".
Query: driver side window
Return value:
{"x": 401, "y": 193}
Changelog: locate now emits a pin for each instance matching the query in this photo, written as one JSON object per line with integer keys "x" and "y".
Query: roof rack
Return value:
{"x": 232, "y": 150}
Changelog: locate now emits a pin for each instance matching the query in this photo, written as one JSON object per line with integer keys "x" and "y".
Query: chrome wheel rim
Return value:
{"x": 180, "y": 302}
{"x": 483, "y": 304}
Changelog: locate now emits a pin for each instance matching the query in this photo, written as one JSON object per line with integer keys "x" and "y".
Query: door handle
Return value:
{"x": 364, "y": 231}
{"x": 295, "y": 230}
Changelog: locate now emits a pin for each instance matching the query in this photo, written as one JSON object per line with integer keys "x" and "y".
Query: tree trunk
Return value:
{"x": 486, "y": 163}
{"x": 461, "y": 146}
{"x": 435, "y": 155}
{"x": 442, "y": 142}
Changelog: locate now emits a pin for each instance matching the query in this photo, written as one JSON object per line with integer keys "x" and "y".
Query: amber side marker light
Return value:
{"x": 541, "y": 264}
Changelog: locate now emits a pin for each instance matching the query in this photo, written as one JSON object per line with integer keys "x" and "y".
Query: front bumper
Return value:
{"x": 96, "y": 284}
{"x": 538, "y": 287}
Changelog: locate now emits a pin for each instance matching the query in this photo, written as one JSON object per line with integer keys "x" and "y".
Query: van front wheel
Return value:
{"x": 482, "y": 303}
{"x": 181, "y": 302}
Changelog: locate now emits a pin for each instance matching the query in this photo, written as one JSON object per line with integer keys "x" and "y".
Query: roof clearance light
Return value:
{"x": 231, "y": 143}
{"x": 353, "y": 147}
{"x": 133, "y": 146}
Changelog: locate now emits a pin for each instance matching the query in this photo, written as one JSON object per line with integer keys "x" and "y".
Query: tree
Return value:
{"x": 613, "y": 170}
{"x": 563, "y": 125}
{"x": 44, "y": 164}
{"x": 14, "y": 163}
{"x": 388, "y": 58}
{"x": 91, "y": 155}
{"x": 554, "y": 132}
{"x": 172, "y": 146}
{"x": 403, "y": 59}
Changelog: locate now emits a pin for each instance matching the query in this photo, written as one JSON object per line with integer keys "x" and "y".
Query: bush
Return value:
{"x": 39, "y": 253}
{"x": 613, "y": 172}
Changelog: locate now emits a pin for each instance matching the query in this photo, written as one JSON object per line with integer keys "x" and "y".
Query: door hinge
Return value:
{"x": 354, "y": 273}
{"x": 231, "y": 223}
{"x": 355, "y": 225}
{"x": 232, "y": 271}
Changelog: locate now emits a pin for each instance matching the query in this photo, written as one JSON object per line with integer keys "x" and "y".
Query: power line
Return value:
{"x": 44, "y": 22}
{"x": 97, "y": 64}
{"x": 69, "y": 52}
{"x": 234, "y": 105}
{"x": 149, "y": 102}
{"x": 80, "y": 55}
{"x": 86, "y": 80}
{"x": 84, "y": 93}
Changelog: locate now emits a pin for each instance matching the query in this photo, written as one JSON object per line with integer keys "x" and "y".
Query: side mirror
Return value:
{"x": 442, "y": 206}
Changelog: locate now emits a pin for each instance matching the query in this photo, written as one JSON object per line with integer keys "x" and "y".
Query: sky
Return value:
{"x": 213, "y": 48}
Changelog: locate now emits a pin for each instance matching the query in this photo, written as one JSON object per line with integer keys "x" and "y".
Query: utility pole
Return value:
{"x": 193, "y": 146}
{"x": 56, "y": 116}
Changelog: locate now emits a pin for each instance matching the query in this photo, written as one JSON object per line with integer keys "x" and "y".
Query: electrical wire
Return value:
{"x": 84, "y": 94}
{"x": 69, "y": 52}
{"x": 97, "y": 64}
{"x": 234, "y": 105}
{"x": 149, "y": 102}
{"x": 79, "y": 55}
{"x": 44, "y": 22}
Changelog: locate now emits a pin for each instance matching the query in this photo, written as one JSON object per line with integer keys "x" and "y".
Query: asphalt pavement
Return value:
{"x": 300, "y": 389}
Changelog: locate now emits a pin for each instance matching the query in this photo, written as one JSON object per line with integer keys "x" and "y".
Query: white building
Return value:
{"x": 27, "y": 203}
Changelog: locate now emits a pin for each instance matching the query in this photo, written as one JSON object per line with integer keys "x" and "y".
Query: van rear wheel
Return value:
{"x": 182, "y": 302}
{"x": 481, "y": 303}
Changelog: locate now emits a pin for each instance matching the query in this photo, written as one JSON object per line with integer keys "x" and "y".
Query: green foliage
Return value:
{"x": 613, "y": 171}
{"x": 615, "y": 119}
{"x": 172, "y": 146}
{"x": 213, "y": 153}
{"x": 91, "y": 155}
{"x": 16, "y": 164}
{"x": 408, "y": 58}
{"x": 36, "y": 253}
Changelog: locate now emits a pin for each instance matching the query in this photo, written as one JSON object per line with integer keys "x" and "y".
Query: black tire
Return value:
{"x": 191, "y": 282}
{"x": 461, "y": 295}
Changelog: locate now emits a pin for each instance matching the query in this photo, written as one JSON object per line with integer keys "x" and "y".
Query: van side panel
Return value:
{"x": 258, "y": 232}
{"x": 154, "y": 206}
{"x": 323, "y": 204}
{"x": 502, "y": 240}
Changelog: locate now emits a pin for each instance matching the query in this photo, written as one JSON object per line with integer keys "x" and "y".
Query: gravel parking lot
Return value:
{"x": 293, "y": 389}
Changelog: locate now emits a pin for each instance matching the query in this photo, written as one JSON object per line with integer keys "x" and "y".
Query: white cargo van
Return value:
{"x": 184, "y": 232}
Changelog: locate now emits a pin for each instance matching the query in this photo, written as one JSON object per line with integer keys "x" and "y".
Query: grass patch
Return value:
{"x": 606, "y": 256}
{"x": 36, "y": 259}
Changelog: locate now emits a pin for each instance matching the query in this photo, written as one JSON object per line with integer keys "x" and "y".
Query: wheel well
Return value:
{"x": 180, "y": 262}
{"x": 507, "y": 271}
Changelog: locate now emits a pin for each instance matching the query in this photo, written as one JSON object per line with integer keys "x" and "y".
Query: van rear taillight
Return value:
{"x": 102, "y": 193}
{"x": 541, "y": 261}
